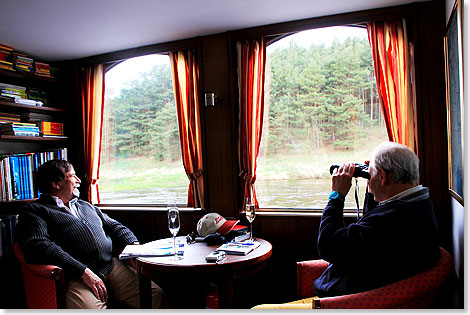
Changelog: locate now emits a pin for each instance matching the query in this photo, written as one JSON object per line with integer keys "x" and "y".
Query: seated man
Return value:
{"x": 59, "y": 229}
{"x": 396, "y": 237}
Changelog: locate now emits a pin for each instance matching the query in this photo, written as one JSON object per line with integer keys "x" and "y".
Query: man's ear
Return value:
{"x": 55, "y": 185}
{"x": 385, "y": 180}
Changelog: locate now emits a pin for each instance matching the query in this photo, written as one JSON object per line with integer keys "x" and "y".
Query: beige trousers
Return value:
{"x": 300, "y": 304}
{"x": 122, "y": 285}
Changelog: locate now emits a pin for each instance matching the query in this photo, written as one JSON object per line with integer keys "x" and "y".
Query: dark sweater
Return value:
{"x": 390, "y": 242}
{"x": 52, "y": 235}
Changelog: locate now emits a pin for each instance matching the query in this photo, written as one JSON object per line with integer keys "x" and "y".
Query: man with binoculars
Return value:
{"x": 395, "y": 238}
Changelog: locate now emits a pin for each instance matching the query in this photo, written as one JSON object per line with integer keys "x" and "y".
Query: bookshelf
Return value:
{"x": 55, "y": 110}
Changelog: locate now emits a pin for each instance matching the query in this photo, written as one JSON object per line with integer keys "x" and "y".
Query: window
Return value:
{"x": 321, "y": 108}
{"x": 141, "y": 155}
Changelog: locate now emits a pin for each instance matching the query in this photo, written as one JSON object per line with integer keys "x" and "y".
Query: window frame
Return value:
{"x": 110, "y": 60}
{"x": 274, "y": 32}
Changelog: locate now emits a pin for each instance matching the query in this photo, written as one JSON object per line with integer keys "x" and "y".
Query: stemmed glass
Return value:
{"x": 250, "y": 213}
{"x": 174, "y": 227}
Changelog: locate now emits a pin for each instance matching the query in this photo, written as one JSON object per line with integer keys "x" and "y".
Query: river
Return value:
{"x": 309, "y": 193}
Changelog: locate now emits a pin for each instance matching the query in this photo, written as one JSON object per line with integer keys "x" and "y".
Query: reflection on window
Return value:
{"x": 321, "y": 108}
{"x": 141, "y": 155}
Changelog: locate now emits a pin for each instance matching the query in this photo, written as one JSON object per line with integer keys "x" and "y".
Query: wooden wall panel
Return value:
{"x": 219, "y": 127}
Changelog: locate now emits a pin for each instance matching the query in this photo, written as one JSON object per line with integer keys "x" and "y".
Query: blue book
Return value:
{"x": 22, "y": 179}
{"x": 15, "y": 176}
{"x": 8, "y": 233}
{"x": 26, "y": 181}
{"x": 30, "y": 168}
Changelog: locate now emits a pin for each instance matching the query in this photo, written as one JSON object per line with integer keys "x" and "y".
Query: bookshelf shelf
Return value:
{"x": 25, "y": 138}
{"x": 18, "y": 75}
{"x": 14, "y": 107}
{"x": 9, "y": 203}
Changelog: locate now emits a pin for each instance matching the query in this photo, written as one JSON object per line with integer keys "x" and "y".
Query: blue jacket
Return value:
{"x": 391, "y": 242}
{"x": 52, "y": 235}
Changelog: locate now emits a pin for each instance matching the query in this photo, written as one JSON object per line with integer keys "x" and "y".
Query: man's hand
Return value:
{"x": 96, "y": 284}
{"x": 341, "y": 180}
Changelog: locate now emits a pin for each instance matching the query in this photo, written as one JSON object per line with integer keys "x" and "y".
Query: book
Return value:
{"x": 20, "y": 129}
{"x": 239, "y": 248}
{"x": 151, "y": 249}
{"x": 15, "y": 177}
{"x": 8, "y": 233}
{"x": 26, "y": 101}
{"x": 49, "y": 128}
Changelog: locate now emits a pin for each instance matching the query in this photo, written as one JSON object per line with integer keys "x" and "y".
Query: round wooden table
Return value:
{"x": 193, "y": 267}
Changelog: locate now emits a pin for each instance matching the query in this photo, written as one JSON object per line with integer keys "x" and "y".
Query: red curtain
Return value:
{"x": 185, "y": 80}
{"x": 251, "y": 68}
{"x": 391, "y": 54}
{"x": 92, "y": 102}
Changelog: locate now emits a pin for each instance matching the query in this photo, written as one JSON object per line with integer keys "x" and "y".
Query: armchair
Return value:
{"x": 418, "y": 291}
{"x": 43, "y": 284}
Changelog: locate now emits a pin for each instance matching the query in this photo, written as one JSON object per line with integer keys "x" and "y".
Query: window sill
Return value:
{"x": 293, "y": 212}
{"x": 143, "y": 208}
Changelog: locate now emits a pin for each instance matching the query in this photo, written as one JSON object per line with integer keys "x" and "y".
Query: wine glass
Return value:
{"x": 174, "y": 227}
{"x": 250, "y": 213}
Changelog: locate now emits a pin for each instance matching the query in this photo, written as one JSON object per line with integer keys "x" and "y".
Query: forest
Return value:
{"x": 315, "y": 97}
{"x": 321, "y": 106}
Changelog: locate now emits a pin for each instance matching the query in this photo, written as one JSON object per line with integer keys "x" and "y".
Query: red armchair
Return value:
{"x": 418, "y": 291}
{"x": 43, "y": 284}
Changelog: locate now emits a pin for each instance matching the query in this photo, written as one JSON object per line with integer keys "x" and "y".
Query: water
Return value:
{"x": 146, "y": 196}
{"x": 310, "y": 193}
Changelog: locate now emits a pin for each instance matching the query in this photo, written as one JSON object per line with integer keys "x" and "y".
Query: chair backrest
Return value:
{"x": 307, "y": 272}
{"x": 418, "y": 291}
{"x": 43, "y": 284}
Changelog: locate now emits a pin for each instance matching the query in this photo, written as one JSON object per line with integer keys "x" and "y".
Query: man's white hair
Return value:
{"x": 399, "y": 161}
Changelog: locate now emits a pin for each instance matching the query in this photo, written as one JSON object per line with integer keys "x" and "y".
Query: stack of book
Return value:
{"x": 51, "y": 129}
{"x": 239, "y": 248}
{"x": 11, "y": 91}
{"x": 20, "y": 129}
{"x": 16, "y": 173}
{"x": 42, "y": 69}
{"x": 7, "y": 234}
{"x": 5, "y": 57}
{"x": 35, "y": 117}
{"x": 9, "y": 118}
{"x": 38, "y": 95}
{"x": 23, "y": 63}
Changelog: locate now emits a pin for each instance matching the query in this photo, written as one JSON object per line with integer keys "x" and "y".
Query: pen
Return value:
{"x": 237, "y": 243}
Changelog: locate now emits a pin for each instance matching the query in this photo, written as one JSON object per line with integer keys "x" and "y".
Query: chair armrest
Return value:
{"x": 307, "y": 272}
{"x": 44, "y": 271}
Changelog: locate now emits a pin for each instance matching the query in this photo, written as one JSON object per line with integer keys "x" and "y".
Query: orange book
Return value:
{"x": 52, "y": 128}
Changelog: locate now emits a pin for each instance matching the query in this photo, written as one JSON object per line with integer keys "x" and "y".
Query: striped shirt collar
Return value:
{"x": 73, "y": 206}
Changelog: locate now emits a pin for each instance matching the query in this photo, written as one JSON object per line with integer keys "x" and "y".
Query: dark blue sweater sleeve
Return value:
{"x": 38, "y": 247}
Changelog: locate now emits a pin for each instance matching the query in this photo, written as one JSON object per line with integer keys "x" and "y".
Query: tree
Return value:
{"x": 320, "y": 96}
{"x": 144, "y": 116}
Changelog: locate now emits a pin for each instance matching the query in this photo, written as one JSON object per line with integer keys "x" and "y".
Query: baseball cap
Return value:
{"x": 214, "y": 223}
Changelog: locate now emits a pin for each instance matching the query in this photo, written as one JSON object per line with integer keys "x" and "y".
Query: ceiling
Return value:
{"x": 54, "y": 30}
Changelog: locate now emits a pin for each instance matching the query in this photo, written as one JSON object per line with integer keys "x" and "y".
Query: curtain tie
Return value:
{"x": 195, "y": 175}
{"x": 91, "y": 181}
{"x": 247, "y": 177}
